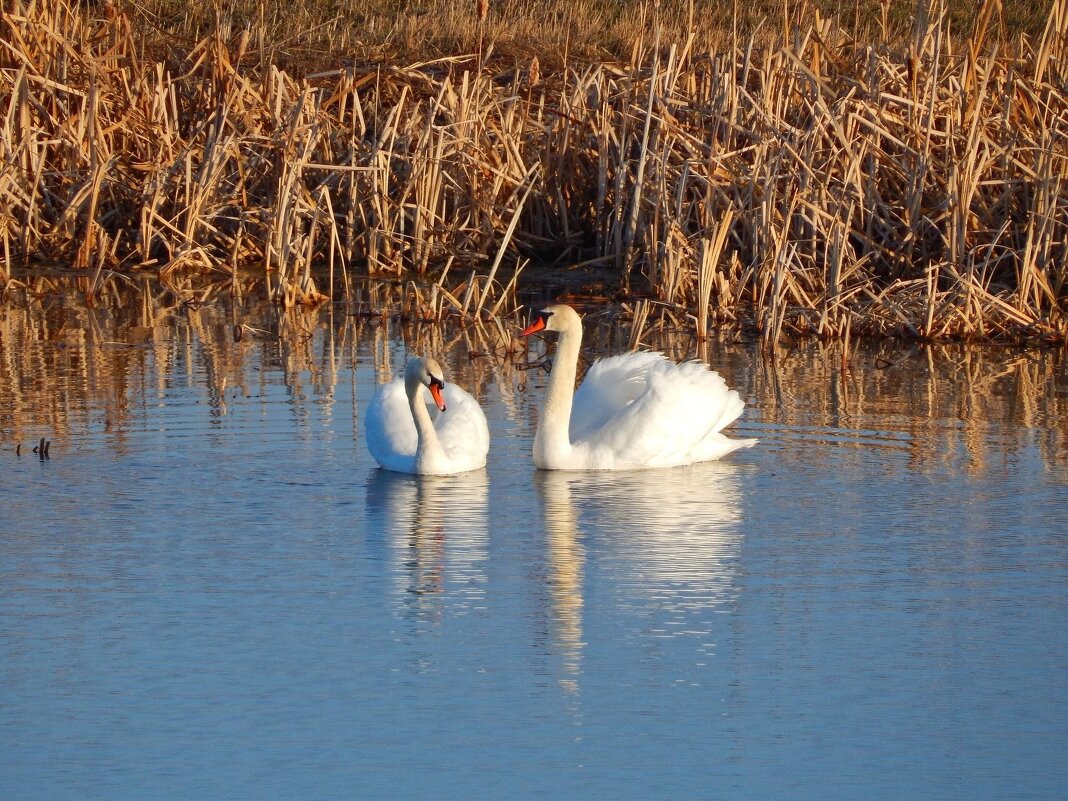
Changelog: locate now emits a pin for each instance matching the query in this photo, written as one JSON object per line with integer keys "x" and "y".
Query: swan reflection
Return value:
{"x": 566, "y": 557}
{"x": 666, "y": 540}
{"x": 434, "y": 535}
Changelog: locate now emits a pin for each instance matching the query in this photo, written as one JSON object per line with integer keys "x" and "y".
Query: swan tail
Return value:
{"x": 716, "y": 446}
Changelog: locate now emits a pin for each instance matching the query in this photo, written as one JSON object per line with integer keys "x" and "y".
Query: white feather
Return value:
{"x": 635, "y": 410}
{"x": 393, "y": 438}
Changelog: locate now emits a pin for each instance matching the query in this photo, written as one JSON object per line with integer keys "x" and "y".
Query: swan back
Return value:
{"x": 389, "y": 429}
{"x": 675, "y": 418}
{"x": 609, "y": 387}
{"x": 462, "y": 430}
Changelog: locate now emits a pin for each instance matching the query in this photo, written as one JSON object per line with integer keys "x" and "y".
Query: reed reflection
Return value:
{"x": 435, "y": 537}
{"x": 68, "y": 368}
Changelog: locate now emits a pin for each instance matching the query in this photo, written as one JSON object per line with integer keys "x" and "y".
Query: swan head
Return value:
{"x": 558, "y": 317}
{"x": 428, "y": 373}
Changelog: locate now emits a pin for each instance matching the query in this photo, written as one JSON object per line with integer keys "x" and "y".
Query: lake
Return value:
{"x": 209, "y": 590}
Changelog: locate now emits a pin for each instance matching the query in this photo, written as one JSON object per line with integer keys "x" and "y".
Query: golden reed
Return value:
{"x": 818, "y": 184}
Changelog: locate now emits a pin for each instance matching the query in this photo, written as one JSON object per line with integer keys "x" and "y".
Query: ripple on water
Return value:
{"x": 210, "y": 571}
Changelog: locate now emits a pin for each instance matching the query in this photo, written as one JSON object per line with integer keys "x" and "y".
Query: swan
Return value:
{"x": 403, "y": 436}
{"x": 633, "y": 411}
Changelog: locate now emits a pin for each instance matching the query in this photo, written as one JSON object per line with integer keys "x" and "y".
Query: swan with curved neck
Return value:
{"x": 633, "y": 411}
{"x": 403, "y": 436}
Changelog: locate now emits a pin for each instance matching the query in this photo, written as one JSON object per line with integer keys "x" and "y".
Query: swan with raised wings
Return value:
{"x": 633, "y": 411}
{"x": 412, "y": 431}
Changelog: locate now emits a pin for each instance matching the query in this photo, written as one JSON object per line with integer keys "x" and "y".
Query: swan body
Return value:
{"x": 633, "y": 411}
{"x": 420, "y": 425}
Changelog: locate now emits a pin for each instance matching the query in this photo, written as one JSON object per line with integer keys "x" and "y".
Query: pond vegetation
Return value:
{"x": 897, "y": 170}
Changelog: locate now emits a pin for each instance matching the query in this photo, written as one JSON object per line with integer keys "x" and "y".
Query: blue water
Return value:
{"x": 210, "y": 591}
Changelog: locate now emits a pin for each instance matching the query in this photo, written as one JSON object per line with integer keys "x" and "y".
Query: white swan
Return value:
{"x": 403, "y": 436}
{"x": 635, "y": 410}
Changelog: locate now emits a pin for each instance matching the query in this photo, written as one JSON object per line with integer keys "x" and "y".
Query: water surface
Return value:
{"x": 209, "y": 590}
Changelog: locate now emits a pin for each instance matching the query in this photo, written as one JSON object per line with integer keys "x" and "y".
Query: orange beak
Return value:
{"x": 534, "y": 327}
{"x": 435, "y": 392}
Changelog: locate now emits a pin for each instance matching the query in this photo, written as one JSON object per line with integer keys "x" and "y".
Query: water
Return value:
{"x": 210, "y": 591}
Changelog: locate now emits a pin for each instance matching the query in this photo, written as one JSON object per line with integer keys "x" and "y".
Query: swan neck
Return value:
{"x": 429, "y": 447}
{"x": 552, "y": 441}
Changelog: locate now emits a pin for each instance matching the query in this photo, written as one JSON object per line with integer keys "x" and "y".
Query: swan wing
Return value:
{"x": 676, "y": 420}
{"x": 610, "y": 386}
{"x": 390, "y": 430}
{"x": 462, "y": 429}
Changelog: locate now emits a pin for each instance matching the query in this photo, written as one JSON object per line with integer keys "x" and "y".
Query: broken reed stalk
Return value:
{"x": 849, "y": 187}
{"x": 711, "y": 248}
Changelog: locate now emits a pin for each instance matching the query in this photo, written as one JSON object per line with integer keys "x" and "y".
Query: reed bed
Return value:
{"x": 822, "y": 184}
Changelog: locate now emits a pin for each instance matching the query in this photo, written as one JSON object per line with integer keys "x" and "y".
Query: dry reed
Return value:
{"x": 823, "y": 184}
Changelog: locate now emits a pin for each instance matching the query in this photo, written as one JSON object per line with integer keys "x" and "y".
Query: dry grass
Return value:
{"x": 293, "y": 33}
{"x": 805, "y": 180}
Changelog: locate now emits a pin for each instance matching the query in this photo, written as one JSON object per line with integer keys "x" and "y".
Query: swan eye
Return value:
{"x": 435, "y": 382}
